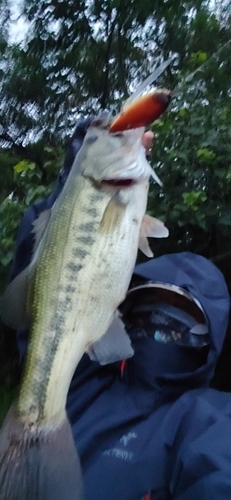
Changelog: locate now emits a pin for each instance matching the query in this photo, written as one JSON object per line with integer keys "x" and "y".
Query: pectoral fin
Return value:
{"x": 40, "y": 225}
{"x": 152, "y": 228}
{"x": 112, "y": 215}
{"x": 115, "y": 345}
{"x": 144, "y": 247}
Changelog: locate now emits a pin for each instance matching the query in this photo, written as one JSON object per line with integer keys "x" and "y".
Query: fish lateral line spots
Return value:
{"x": 42, "y": 366}
{"x": 92, "y": 211}
{"x": 40, "y": 386}
{"x": 65, "y": 305}
{"x": 70, "y": 288}
{"x": 88, "y": 227}
{"x": 95, "y": 197}
{"x": 72, "y": 266}
{"x": 87, "y": 240}
{"x": 57, "y": 324}
{"x": 80, "y": 252}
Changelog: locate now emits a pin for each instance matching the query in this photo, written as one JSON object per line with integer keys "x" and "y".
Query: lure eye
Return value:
{"x": 164, "y": 97}
{"x": 102, "y": 120}
{"x": 118, "y": 134}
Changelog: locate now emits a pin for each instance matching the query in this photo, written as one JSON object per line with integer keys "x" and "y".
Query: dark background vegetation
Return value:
{"x": 77, "y": 57}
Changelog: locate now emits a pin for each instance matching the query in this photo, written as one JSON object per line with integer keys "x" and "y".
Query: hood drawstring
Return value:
{"x": 122, "y": 367}
{"x": 147, "y": 496}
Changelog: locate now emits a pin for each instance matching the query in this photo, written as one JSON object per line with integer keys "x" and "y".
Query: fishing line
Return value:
{"x": 191, "y": 75}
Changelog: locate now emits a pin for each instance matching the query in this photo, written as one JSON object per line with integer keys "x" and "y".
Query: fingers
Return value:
{"x": 147, "y": 140}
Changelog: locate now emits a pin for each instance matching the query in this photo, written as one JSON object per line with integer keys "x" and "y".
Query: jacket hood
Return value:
{"x": 202, "y": 280}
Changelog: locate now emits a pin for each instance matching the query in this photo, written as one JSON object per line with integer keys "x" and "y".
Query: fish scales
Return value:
{"x": 55, "y": 270}
{"x": 66, "y": 260}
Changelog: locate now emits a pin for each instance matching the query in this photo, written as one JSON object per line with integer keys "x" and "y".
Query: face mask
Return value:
{"x": 165, "y": 315}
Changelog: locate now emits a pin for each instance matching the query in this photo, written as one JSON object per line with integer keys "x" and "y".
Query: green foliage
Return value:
{"x": 192, "y": 155}
{"x": 25, "y": 182}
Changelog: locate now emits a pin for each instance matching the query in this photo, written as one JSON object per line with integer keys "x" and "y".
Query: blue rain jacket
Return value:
{"x": 154, "y": 430}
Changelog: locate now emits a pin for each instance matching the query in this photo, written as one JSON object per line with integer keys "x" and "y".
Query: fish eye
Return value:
{"x": 98, "y": 122}
{"x": 91, "y": 139}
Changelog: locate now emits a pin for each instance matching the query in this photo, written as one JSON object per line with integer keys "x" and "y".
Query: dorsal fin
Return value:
{"x": 15, "y": 302}
{"x": 114, "y": 346}
{"x": 40, "y": 225}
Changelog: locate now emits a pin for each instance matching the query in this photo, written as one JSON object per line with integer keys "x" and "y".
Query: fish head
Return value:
{"x": 114, "y": 159}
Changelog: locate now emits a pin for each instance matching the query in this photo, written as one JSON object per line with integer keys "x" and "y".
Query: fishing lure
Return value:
{"x": 141, "y": 111}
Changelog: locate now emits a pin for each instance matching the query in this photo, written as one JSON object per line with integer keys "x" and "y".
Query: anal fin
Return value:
{"x": 114, "y": 346}
{"x": 151, "y": 228}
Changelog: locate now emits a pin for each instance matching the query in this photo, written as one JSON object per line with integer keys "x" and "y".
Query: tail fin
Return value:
{"x": 38, "y": 465}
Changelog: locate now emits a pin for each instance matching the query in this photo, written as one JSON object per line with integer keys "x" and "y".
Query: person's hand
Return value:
{"x": 147, "y": 140}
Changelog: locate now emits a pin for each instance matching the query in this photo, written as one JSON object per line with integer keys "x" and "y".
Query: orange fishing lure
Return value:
{"x": 142, "y": 111}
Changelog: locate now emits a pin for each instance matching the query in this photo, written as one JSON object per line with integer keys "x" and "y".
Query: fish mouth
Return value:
{"x": 121, "y": 183}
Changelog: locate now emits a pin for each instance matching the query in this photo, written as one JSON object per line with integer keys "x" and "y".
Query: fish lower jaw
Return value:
{"x": 118, "y": 183}
{"x": 126, "y": 182}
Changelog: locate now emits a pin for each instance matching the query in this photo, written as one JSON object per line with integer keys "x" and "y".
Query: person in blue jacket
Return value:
{"x": 150, "y": 427}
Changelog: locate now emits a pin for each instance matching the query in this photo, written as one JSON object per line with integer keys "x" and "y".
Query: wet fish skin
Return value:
{"x": 73, "y": 275}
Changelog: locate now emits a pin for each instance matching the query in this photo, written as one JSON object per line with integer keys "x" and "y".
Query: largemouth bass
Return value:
{"x": 85, "y": 252}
